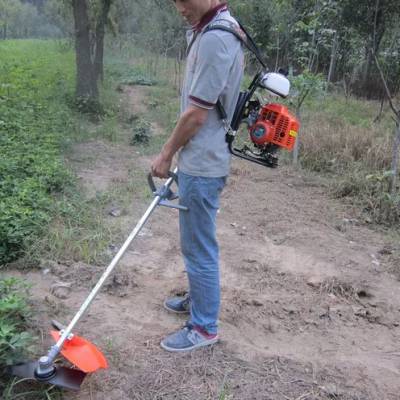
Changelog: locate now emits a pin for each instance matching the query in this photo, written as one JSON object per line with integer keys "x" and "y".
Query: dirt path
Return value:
{"x": 308, "y": 309}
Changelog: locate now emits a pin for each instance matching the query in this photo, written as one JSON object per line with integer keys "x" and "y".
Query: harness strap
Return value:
{"x": 240, "y": 32}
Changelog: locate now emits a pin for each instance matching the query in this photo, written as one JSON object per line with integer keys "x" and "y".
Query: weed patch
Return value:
{"x": 141, "y": 132}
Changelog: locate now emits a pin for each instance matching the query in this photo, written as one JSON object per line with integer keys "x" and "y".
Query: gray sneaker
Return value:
{"x": 187, "y": 339}
{"x": 179, "y": 304}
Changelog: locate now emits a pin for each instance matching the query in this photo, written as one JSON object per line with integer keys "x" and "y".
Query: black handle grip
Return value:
{"x": 153, "y": 186}
{"x": 151, "y": 183}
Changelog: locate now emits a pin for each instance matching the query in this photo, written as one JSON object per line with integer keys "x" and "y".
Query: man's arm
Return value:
{"x": 187, "y": 126}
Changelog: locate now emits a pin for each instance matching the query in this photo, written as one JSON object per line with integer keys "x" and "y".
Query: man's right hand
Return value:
{"x": 161, "y": 166}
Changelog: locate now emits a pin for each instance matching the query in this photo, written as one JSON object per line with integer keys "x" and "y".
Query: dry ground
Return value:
{"x": 309, "y": 309}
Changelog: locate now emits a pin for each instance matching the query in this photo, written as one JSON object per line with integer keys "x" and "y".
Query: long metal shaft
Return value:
{"x": 54, "y": 351}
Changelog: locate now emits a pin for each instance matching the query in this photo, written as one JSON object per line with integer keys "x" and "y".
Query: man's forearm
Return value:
{"x": 187, "y": 126}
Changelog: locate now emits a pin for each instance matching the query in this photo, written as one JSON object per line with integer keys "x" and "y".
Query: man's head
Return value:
{"x": 193, "y": 10}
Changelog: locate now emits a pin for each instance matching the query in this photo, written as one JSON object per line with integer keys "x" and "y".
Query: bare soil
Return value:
{"x": 310, "y": 309}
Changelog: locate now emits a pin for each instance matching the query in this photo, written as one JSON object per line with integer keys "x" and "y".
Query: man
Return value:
{"x": 213, "y": 72}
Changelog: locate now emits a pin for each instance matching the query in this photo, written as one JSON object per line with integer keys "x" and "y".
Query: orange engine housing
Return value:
{"x": 275, "y": 125}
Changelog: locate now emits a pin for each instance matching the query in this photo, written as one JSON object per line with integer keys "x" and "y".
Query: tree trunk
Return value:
{"x": 86, "y": 84}
{"x": 297, "y": 143}
{"x": 333, "y": 59}
{"x": 312, "y": 51}
{"x": 277, "y": 53}
{"x": 100, "y": 32}
{"x": 367, "y": 66}
{"x": 395, "y": 158}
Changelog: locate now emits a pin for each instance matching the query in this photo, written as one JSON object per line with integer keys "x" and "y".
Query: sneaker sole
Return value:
{"x": 194, "y": 347}
{"x": 175, "y": 311}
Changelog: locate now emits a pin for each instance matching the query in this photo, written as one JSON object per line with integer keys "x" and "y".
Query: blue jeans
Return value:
{"x": 199, "y": 246}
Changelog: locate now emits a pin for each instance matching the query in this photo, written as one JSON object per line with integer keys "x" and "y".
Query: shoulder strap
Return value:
{"x": 240, "y": 32}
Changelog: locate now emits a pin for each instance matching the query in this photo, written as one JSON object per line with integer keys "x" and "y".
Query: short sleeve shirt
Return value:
{"x": 214, "y": 71}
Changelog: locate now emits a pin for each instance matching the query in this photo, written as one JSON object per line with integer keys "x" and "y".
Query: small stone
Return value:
{"x": 315, "y": 281}
{"x": 145, "y": 233}
{"x": 115, "y": 212}
{"x": 386, "y": 250}
{"x": 61, "y": 290}
{"x": 360, "y": 311}
{"x": 332, "y": 390}
{"x": 311, "y": 322}
{"x": 289, "y": 309}
{"x": 48, "y": 265}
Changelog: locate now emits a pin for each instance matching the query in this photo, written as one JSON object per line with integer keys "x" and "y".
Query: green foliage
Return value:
{"x": 15, "y": 341}
{"x": 304, "y": 86}
{"x": 33, "y": 122}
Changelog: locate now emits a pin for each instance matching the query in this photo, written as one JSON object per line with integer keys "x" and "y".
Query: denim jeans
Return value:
{"x": 199, "y": 246}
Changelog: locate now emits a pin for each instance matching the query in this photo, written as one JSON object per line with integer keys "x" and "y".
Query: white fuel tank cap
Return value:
{"x": 276, "y": 83}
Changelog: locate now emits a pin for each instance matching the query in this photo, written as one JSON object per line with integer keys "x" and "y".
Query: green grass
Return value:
{"x": 164, "y": 106}
{"x": 33, "y": 122}
{"x": 39, "y": 198}
{"x": 348, "y": 112}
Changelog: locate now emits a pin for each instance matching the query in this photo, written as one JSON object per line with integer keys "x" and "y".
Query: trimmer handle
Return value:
{"x": 164, "y": 192}
{"x": 153, "y": 186}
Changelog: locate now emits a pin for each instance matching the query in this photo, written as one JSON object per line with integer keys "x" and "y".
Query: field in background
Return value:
{"x": 340, "y": 142}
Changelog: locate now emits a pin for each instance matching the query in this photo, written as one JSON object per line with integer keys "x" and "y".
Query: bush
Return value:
{"x": 141, "y": 132}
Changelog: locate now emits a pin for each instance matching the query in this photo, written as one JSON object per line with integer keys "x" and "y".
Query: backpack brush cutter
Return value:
{"x": 271, "y": 126}
{"x": 83, "y": 355}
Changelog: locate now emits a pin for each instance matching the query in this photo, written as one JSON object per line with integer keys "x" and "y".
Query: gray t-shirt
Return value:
{"x": 214, "y": 70}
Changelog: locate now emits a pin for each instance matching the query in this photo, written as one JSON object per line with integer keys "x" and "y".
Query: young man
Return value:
{"x": 213, "y": 72}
